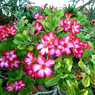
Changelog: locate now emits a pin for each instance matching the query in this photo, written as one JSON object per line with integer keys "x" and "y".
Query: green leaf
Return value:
{"x": 15, "y": 75}
{"x": 3, "y": 47}
{"x": 27, "y": 80}
{"x": 21, "y": 39}
{"x": 82, "y": 66}
{"x": 58, "y": 13}
{"x": 0, "y": 82}
{"x": 63, "y": 75}
{"x": 40, "y": 81}
{"x": 53, "y": 80}
{"x": 90, "y": 92}
{"x": 93, "y": 59}
{"x": 47, "y": 11}
{"x": 10, "y": 93}
{"x": 73, "y": 90}
{"x": 86, "y": 81}
{"x": 23, "y": 91}
{"x": 84, "y": 92}
{"x": 60, "y": 84}
{"x": 1, "y": 90}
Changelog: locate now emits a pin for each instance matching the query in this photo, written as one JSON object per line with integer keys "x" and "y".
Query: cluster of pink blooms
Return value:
{"x": 9, "y": 60}
{"x": 36, "y": 87}
{"x": 52, "y": 45}
{"x": 40, "y": 68}
{"x": 17, "y": 86}
{"x": 7, "y": 31}
{"x": 38, "y": 16}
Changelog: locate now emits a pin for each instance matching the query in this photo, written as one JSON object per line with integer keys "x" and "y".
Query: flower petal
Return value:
{"x": 40, "y": 73}
{"x": 49, "y": 63}
{"x": 36, "y": 67}
{"x": 48, "y": 72}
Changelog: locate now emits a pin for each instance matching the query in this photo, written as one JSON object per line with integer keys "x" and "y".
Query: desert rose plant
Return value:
{"x": 39, "y": 58}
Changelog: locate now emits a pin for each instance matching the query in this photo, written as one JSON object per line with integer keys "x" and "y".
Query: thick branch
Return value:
{"x": 89, "y": 2}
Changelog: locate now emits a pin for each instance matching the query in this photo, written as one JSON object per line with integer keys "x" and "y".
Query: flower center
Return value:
{"x": 11, "y": 30}
{"x": 73, "y": 27}
{"x": 43, "y": 66}
{"x": 55, "y": 47}
{"x": 66, "y": 25}
{"x": 50, "y": 39}
{"x": 10, "y": 55}
{"x": 5, "y": 33}
{"x": 65, "y": 45}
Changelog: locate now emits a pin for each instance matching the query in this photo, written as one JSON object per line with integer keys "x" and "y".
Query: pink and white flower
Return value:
{"x": 18, "y": 85}
{"x": 28, "y": 5}
{"x": 66, "y": 45}
{"x": 43, "y": 67}
{"x": 36, "y": 15}
{"x": 75, "y": 27}
{"x": 10, "y": 55}
{"x": 38, "y": 26}
{"x": 55, "y": 48}
{"x": 9, "y": 87}
{"x": 11, "y": 30}
{"x": 29, "y": 58}
{"x": 67, "y": 16}
{"x": 4, "y": 62}
{"x": 15, "y": 64}
{"x": 29, "y": 71}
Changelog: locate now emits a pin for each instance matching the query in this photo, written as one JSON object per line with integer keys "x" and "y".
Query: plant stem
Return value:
{"x": 3, "y": 77}
{"x": 46, "y": 92}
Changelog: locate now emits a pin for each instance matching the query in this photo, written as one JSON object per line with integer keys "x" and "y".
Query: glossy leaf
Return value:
{"x": 86, "y": 81}
{"x": 23, "y": 91}
{"x": 52, "y": 80}
{"x": 82, "y": 66}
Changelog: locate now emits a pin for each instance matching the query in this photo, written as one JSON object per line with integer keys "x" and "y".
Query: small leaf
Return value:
{"x": 86, "y": 81}
{"x": 82, "y": 66}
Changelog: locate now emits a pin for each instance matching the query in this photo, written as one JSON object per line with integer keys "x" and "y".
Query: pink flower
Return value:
{"x": 40, "y": 17}
{"x": 38, "y": 26}
{"x": 9, "y": 87}
{"x": 15, "y": 22}
{"x": 42, "y": 7}
{"x": 18, "y": 85}
{"x": 28, "y": 5}
{"x": 10, "y": 55}
{"x": 43, "y": 67}
{"x": 53, "y": 9}
{"x": 67, "y": 16}
{"x": 66, "y": 45}
{"x": 43, "y": 47}
{"x": 4, "y": 33}
{"x": 11, "y": 30}
{"x": 29, "y": 71}
{"x": 67, "y": 25}
{"x": 4, "y": 62}
{"x": 15, "y": 64}
{"x": 29, "y": 58}
{"x": 36, "y": 15}
{"x": 48, "y": 37}
{"x": 79, "y": 53}
{"x": 55, "y": 48}
{"x": 75, "y": 27}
